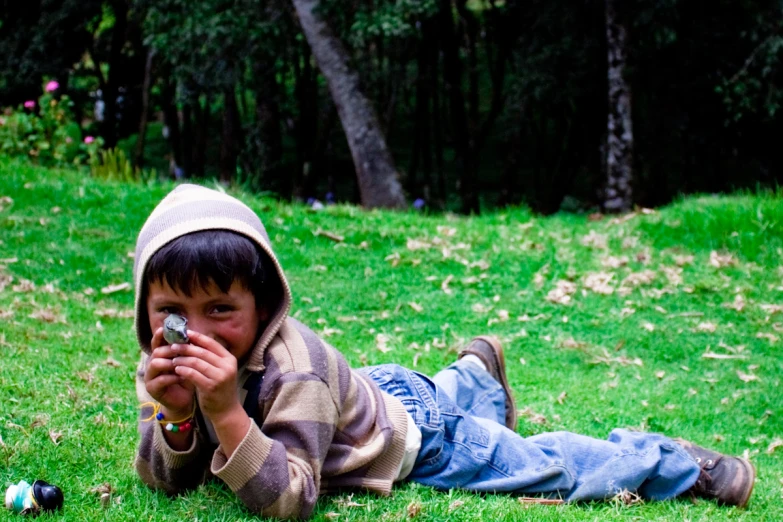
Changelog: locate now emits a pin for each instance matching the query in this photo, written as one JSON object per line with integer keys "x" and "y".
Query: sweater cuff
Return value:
{"x": 246, "y": 460}
{"x": 172, "y": 458}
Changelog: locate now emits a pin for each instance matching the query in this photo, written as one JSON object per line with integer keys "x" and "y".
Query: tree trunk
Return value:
{"x": 268, "y": 119}
{"x": 377, "y": 175}
{"x": 111, "y": 89}
{"x": 138, "y": 154}
{"x": 619, "y": 141}
{"x": 463, "y": 140}
{"x": 231, "y": 136}
{"x": 179, "y": 164}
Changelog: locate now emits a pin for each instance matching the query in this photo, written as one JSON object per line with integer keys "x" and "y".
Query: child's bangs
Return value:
{"x": 197, "y": 260}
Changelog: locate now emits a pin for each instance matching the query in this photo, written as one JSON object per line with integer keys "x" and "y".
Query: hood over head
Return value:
{"x": 192, "y": 208}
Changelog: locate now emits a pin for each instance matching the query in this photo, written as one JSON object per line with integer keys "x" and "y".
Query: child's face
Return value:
{"x": 230, "y": 318}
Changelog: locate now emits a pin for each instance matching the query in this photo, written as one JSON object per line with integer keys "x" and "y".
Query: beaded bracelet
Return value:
{"x": 172, "y": 426}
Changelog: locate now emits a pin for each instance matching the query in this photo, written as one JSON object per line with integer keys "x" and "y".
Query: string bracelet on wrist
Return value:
{"x": 173, "y": 426}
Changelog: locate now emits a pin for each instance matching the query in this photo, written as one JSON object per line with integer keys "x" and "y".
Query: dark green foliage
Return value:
{"x": 482, "y": 102}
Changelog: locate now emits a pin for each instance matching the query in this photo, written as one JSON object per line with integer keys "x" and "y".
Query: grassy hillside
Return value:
{"x": 606, "y": 324}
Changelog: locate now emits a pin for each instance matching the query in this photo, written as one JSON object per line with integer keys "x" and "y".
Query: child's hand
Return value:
{"x": 212, "y": 369}
{"x": 169, "y": 389}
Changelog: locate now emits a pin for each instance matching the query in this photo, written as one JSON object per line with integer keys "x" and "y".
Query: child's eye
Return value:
{"x": 219, "y": 309}
{"x": 168, "y": 309}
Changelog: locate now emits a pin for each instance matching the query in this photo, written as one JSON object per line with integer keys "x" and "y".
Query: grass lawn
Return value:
{"x": 668, "y": 321}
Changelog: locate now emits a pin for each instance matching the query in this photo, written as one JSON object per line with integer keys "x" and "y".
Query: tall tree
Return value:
{"x": 377, "y": 175}
{"x": 619, "y": 136}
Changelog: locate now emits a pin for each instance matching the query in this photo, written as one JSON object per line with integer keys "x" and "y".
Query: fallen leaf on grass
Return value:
{"x": 598, "y": 282}
{"x": 649, "y": 327}
{"x": 706, "y": 327}
{"x": 722, "y": 260}
{"x": 531, "y": 416}
{"x": 381, "y": 342}
{"x": 622, "y": 360}
{"x": 445, "y": 285}
{"x": 747, "y": 377}
{"x": 47, "y": 315}
{"x": 573, "y": 344}
{"x": 394, "y": 259}
{"x": 329, "y": 235}
{"x": 595, "y": 240}
{"x": 738, "y": 304}
{"x": 775, "y": 444}
{"x": 542, "y": 501}
{"x": 414, "y": 508}
{"x": 113, "y": 312}
{"x": 328, "y": 332}
{"x": 772, "y": 338}
{"x": 456, "y": 505}
{"x": 626, "y": 497}
{"x": 6, "y": 314}
{"x": 562, "y": 292}
{"x": 683, "y": 260}
{"x": 660, "y": 375}
{"x": 772, "y": 308}
{"x": 114, "y": 363}
{"x": 673, "y": 274}
{"x": 538, "y": 278}
{"x": 711, "y": 355}
{"x": 614, "y": 261}
{"x": 55, "y": 436}
{"x": 5, "y": 201}
{"x": 561, "y": 398}
{"x": 5, "y": 280}
{"x": 418, "y": 244}
{"x": 416, "y": 306}
{"x": 645, "y": 277}
{"x": 115, "y": 288}
{"x": 24, "y": 286}
{"x": 347, "y": 501}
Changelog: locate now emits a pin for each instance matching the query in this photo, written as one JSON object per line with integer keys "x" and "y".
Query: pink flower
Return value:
{"x": 88, "y": 140}
{"x": 52, "y": 86}
{"x": 29, "y": 104}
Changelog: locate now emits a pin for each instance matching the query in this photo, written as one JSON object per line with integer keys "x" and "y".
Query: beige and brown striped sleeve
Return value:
{"x": 276, "y": 471}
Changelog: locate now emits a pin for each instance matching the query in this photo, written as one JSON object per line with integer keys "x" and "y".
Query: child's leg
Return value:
{"x": 479, "y": 454}
{"x": 474, "y": 390}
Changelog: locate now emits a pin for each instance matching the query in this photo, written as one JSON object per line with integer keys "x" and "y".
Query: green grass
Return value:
{"x": 66, "y": 386}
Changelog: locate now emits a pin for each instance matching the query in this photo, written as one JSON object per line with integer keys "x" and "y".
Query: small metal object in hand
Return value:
{"x": 175, "y": 329}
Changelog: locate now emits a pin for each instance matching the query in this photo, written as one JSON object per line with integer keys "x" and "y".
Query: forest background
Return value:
{"x": 443, "y": 104}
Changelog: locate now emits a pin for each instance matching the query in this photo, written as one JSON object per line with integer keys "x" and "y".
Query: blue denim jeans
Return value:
{"x": 465, "y": 444}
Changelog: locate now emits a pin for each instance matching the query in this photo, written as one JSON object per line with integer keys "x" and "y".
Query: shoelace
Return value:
{"x": 705, "y": 479}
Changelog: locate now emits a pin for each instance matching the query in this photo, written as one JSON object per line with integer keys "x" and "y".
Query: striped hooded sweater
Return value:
{"x": 319, "y": 425}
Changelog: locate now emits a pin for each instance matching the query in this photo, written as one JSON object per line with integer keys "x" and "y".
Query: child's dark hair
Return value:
{"x": 220, "y": 256}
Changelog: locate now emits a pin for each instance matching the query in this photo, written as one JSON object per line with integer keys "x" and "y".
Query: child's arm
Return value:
{"x": 166, "y": 460}
{"x": 276, "y": 472}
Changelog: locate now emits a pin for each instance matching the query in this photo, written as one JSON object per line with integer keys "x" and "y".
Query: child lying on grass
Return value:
{"x": 258, "y": 400}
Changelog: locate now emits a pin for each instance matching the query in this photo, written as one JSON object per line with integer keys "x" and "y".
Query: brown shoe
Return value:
{"x": 729, "y": 480}
{"x": 490, "y": 351}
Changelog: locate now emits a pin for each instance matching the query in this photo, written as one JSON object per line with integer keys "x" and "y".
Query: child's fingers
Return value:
{"x": 163, "y": 352}
{"x": 200, "y": 365}
{"x": 190, "y": 350}
{"x": 208, "y": 343}
{"x": 157, "y": 339}
{"x": 158, "y": 366}
{"x": 157, "y": 386}
{"x": 193, "y": 376}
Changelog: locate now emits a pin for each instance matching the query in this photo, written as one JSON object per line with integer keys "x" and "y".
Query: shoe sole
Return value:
{"x": 511, "y": 423}
{"x": 751, "y": 469}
